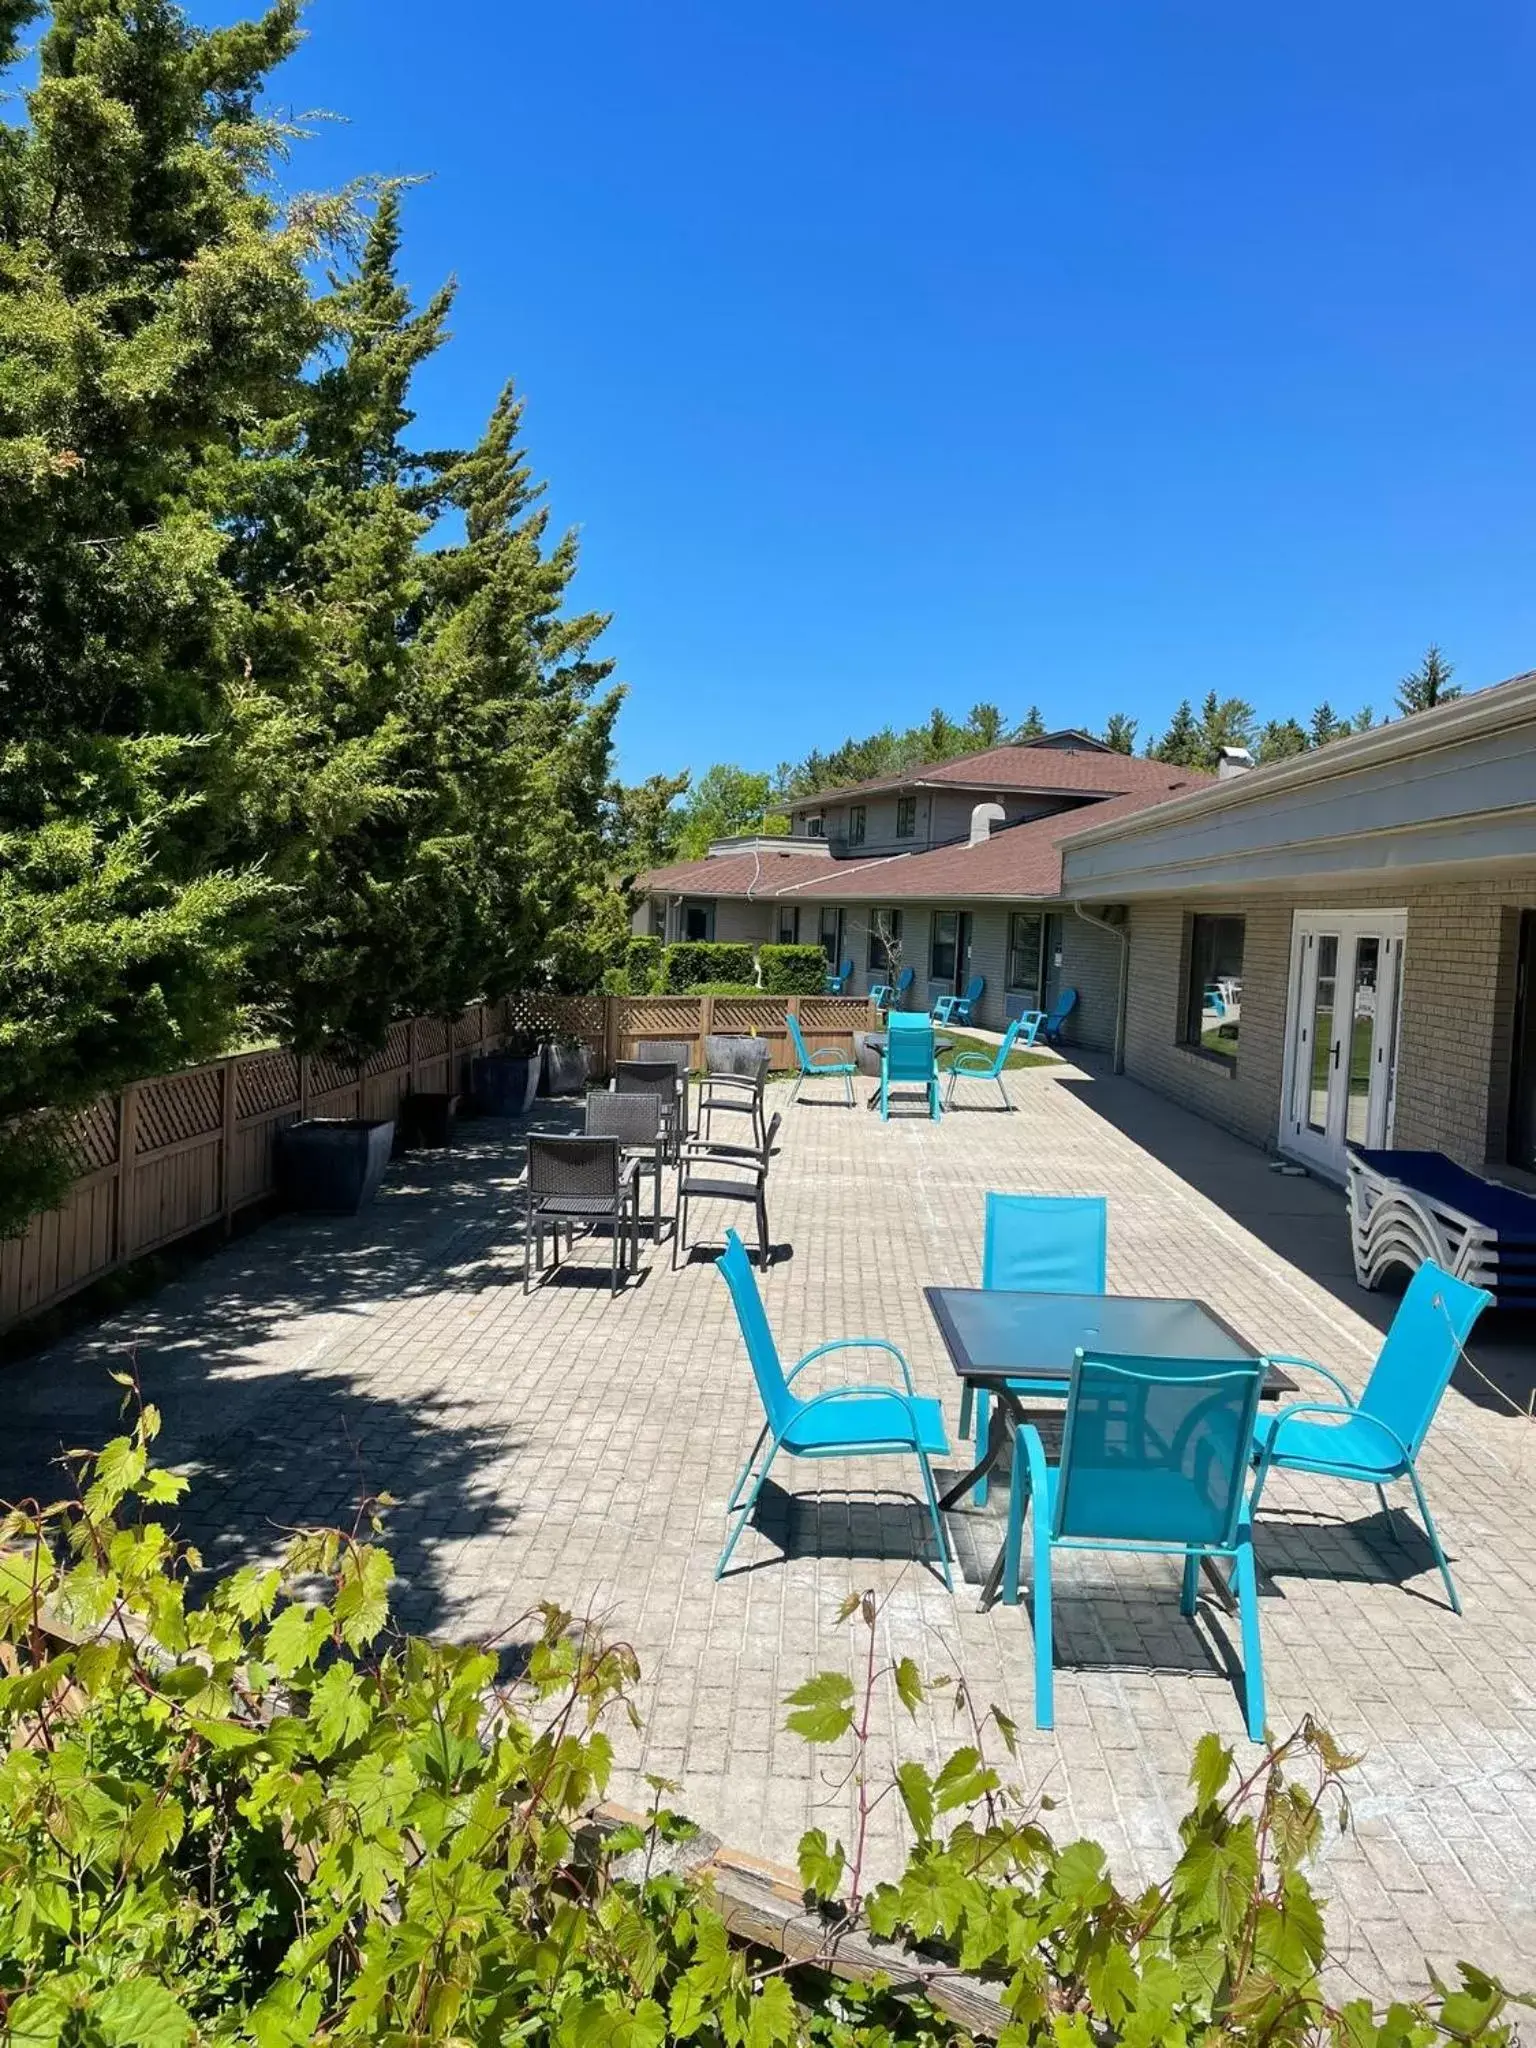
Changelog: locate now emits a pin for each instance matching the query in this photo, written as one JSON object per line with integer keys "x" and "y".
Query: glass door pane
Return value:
{"x": 1320, "y": 1049}
{"x": 1364, "y": 1013}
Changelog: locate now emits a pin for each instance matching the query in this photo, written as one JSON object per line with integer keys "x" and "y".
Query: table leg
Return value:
{"x": 1003, "y": 1411}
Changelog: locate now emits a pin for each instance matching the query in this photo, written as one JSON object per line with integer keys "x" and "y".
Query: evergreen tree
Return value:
{"x": 1430, "y": 684}
{"x": 1363, "y": 719}
{"x": 1032, "y": 728}
{"x": 725, "y": 802}
{"x": 1224, "y": 722}
{"x": 1327, "y": 725}
{"x": 984, "y": 726}
{"x": 1120, "y": 733}
{"x": 154, "y": 314}
{"x": 1280, "y": 739}
{"x": 1180, "y": 746}
{"x": 646, "y": 822}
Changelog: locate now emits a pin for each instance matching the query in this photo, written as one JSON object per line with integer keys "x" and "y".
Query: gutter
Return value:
{"x": 1123, "y": 934}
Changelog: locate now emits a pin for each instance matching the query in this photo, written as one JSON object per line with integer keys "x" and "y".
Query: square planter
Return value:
{"x": 430, "y": 1118}
{"x": 505, "y": 1083}
{"x": 567, "y": 1070}
{"x": 333, "y": 1165}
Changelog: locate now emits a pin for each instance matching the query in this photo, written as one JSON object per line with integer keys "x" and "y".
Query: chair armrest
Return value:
{"x": 747, "y": 1081}
{"x": 824, "y": 1056}
{"x": 1300, "y": 1408}
{"x": 712, "y": 1148}
{"x": 862, "y": 1391}
{"x": 1027, "y": 1438}
{"x": 970, "y": 1063}
{"x": 854, "y": 1344}
{"x": 1309, "y": 1365}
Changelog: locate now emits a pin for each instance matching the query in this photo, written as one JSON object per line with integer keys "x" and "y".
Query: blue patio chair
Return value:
{"x": 842, "y": 1422}
{"x": 1048, "y": 1023}
{"x": 1036, "y": 1244}
{"x": 957, "y": 1009}
{"x": 1154, "y": 1457}
{"x": 885, "y": 997}
{"x": 826, "y": 1065}
{"x": 838, "y": 982}
{"x": 909, "y": 1058}
{"x": 985, "y": 1066}
{"x": 1378, "y": 1438}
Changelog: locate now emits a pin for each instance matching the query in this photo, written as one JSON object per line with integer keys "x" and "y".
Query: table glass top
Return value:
{"x": 992, "y": 1331}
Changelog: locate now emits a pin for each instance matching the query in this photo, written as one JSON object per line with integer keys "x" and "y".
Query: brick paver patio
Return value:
{"x": 570, "y": 1447}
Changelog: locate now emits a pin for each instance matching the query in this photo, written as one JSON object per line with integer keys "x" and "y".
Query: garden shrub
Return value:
{"x": 792, "y": 970}
{"x": 268, "y": 1821}
{"x": 692, "y": 961}
{"x": 642, "y": 965}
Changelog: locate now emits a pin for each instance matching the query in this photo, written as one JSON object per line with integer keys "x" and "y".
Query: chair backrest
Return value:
{"x": 909, "y": 1049}
{"x": 905, "y": 979}
{"x": 573, "y": 1166}
{"x": 1062, "y": 1008}
{"x": 1418, "y": 1356}
{"x": 845, "y": 972}
{"x": 1009, "y": 1036}
{"x": 975, "y": 988}
{"x": 769, "y": 1136}
{"x": 797, "y": 1041}
{"x": 1156, "y": 1450}
{"x": 728, "y": 1054}
{"x": 645, "y": 1077}
{"x": 679, "y": 1051}
{"x": 736, "y": 1269}
{"x": 1045, "y": 1244}
{"x": 633, "y": 1119}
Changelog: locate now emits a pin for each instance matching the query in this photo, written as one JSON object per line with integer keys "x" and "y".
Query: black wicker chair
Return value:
{"x": 580, "y": 1180}
{"x": 636, "y": 1121}
{"x": 661, "y": 1079}
{"x": 725, "y": 1173}
{"x": 736, "y": 1073}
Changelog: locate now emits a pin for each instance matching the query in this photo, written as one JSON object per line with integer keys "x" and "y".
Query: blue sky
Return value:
{"x": 896, "y": 355}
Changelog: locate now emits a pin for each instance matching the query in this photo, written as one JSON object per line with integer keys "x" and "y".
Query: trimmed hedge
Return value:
{"x": 642, "y": 965}
{"x": 689, "y": 963}
{"x": 792, "y": 970}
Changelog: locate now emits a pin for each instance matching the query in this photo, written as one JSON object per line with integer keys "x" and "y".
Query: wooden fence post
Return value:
{"x": 127, "y": 1142}
{"x": 613, "y": 1034}
{"x": 706, "y": 1027}
{"x": 227, "y": 1149}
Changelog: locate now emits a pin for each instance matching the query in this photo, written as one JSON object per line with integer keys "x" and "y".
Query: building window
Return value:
{"x": 855, "y": 824}
{"x": 816, "y": 827}
{"x": 884, "y": 955}
{"x": 941, "y": 953}
{"x": 1026, "y": 955}
{"x": 1213, "y": 992}
{"x": 698, "y": 923}
{"x": 832, "y": 938}
{"x": 789, "y": 924}
{"x": 906, "y": 817}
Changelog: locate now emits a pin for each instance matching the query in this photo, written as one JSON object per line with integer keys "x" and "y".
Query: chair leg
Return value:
{"x": 528, "y": 1247}
{"x": 680, "y": 1227}
{"x": 1002, "y": 1089}
{"x": 1191, "y": 1585}
{"x": 1248, "y": 1610}
{"x": 1434, "y": 1540}
{"x": 967, "y": 1403}
{"x": 848, "y": 1084}
{"x": 1045, "y": 1647}
{"x": 983, "y": 1487}
{"x": 613, "y": 1255}
{"x": 885, "y": 1099}
{"x": 741, "y": 1476}
{"x": 746, "y": 1512}
{"x": 937, "y": 1521}
{"x": 794, "y": 1093}
{"x": 1013, "y": 1542}
{"x": 762, "y": 1233}
{"x": 1386, "y": 1505}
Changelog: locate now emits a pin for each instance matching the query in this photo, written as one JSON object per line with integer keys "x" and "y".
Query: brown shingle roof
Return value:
{"x": 1051, "y": 770}
{"x": 737, "y": 874}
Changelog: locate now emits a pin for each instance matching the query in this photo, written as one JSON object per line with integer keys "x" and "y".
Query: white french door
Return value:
{"x": 1341, "y": 1034}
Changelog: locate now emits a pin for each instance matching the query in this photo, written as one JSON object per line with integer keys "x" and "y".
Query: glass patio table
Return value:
{"x": 1012, "y": 1343}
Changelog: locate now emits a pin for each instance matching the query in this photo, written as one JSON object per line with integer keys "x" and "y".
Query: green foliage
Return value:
{"x": 646, "y": 821}
{"x": 1120, "y": 733}
{"x": 263, "y": 1819}
{"x": 689, "y": 963}
{"x": 726, "y": 802}
{"x": 1430, "y": 684}
{"x": 642, "y": 964}
{"x": 792, "y": 970}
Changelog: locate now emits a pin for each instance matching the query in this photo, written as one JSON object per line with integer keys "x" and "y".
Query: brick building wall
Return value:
{"x": 1454, "y": 1022}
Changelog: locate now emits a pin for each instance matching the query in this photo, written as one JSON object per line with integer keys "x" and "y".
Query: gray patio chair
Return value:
{"x": 725, "y": 1173}
{"x": 636, "y": 1121}
{"x": 736, "y": 1073}
{"x": 580, "y": 1180}
{"x": 680, "y": 1052}
{"x": 661, "y": 1079}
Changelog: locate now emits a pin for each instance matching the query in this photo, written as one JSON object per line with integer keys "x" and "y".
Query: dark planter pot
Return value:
{"x": 333, "y": 1164}
{"x": 430, "y": 1119}
{"x": 567, "y": 1070}
{"x": 505, "y": 1083}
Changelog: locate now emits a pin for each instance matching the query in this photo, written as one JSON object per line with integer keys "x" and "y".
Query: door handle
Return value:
{"x": 1336, "y": 1045}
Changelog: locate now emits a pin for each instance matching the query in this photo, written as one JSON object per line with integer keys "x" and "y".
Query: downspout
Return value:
{"x": 1123, "y": 934}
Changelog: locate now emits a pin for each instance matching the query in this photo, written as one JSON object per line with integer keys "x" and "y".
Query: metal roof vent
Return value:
{"x": 1233, "y": 761}
{"x": 983, "y": 818}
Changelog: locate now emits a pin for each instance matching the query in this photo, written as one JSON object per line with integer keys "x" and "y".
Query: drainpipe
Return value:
{"x": 1123, "y": 934}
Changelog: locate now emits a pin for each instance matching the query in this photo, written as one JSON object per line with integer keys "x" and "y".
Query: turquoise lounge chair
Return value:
{"x": 841, "y": 1422}
{"x": 1154, "y": 1457}
{"x": 1036, "y": 1244}
{"x": 909, "y": 1058}
{"x": 985, "y": 1066}
{"x": 957, "y": 1009}
{"x": 825, "y": 1065}
{"x": 837, "y": 983}
{"x": 884, "y": 996}
{"x": 1378, "y": 1438}
{"x": 1048, "y": 1023}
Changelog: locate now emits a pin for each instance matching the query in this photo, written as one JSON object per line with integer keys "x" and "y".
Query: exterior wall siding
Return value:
{"x": 1090, "y": 963}
{"x": 1455, "y": 1013}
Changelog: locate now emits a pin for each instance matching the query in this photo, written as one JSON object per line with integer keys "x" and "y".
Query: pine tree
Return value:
{"x": 154, "y": 314}
{"x": 1224, "y": 722}
{"x": 1327, "y": 725}
{"x": 1280, "y": 739}
{"x": 984, "y": 726}
{"x": 1033, "y": 726}
{"x": 1430, "y": 684}
{"x": 1180, "y": 746}
{"x": 1120, "y": 733}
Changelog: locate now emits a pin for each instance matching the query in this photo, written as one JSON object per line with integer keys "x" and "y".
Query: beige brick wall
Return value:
{"x": 1090, "y": 963}
{"x": 1454, "y": 1020}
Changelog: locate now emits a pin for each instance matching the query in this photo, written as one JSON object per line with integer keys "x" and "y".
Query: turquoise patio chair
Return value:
{"x": 1154, "y": 1457}
{"x": 842, "y": 1422}
{"x": 1036, "y": 1244}
{"x": 909, "y": 1059}
{"x": 1048, "y": 1023}
{"x": 837, "y": 983}
{"x": 957, "y": 1009}
{"x": 986, "y": 1066}
{"x": 1378, "y": 1438}
{"x": 813, "y": 1066}
{"x": 884, "y": 996}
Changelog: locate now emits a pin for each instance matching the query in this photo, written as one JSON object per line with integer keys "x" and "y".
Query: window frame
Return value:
{"x": 789, "y": 913}
{"x": 906, "y": 817}
{"x": 816, "y": 825}
{"x": 858, "y": 824}
{"x": 1034, "y": 989}
{"x": 877, "y": 958}
{"x": 952, "y": 943}
{"x": 705, "y": 905}
{"x": 1200, "y": 968}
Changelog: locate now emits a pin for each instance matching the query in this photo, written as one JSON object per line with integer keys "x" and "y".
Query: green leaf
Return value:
{"x": 362, "y": 1598}
{"x": 773, "y": 2018}
{"x": 909, "y": 1685}
{"x": 823, "y": 1707}
{"x": 916, "y": 1789}
{"x": 606, "y": 2026}
{"x": 338, "y": 1708}
{"x": 295, "y": 1637}
{"x": 140, "y": 2013}
{"x": 154, "y": 1831}
{"x": 1213, "y": 1766}
{"x": 821, "y": 1868}
{"x": 963, "y": 1780}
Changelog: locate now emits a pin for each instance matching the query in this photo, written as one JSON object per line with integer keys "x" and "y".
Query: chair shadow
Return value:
{"x": 1372, "y": 1549}
{"x": 888, "y": 1525}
